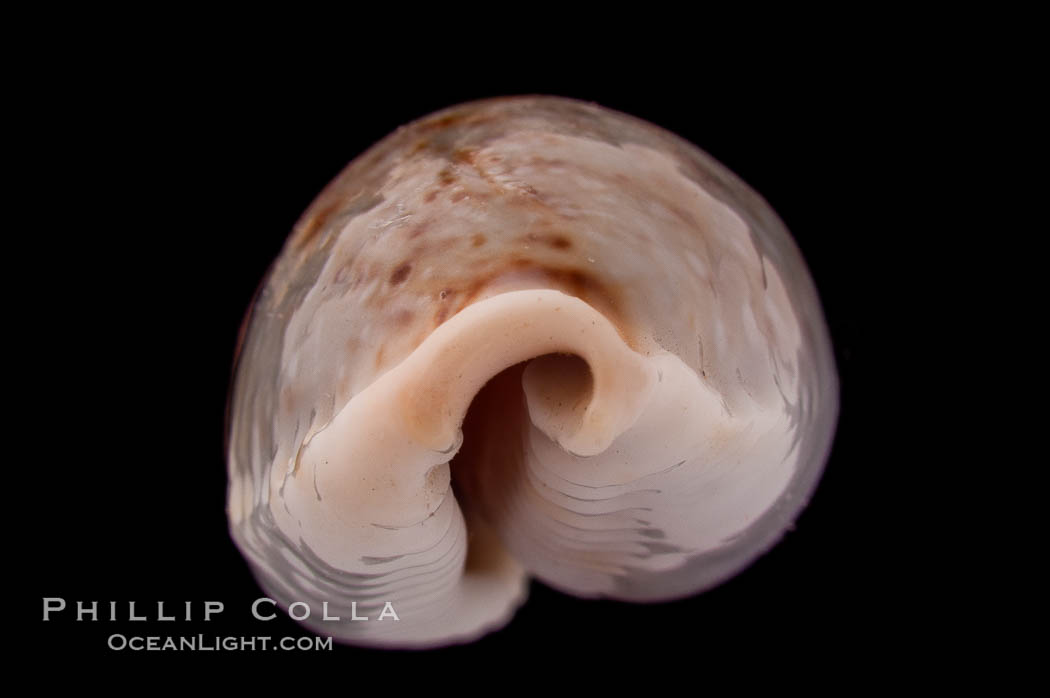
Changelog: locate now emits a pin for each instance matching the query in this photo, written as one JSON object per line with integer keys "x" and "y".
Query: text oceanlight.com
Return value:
{"x": 215, "y": 643}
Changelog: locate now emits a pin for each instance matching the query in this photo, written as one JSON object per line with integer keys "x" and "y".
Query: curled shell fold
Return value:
{"x": 523, "y": 338}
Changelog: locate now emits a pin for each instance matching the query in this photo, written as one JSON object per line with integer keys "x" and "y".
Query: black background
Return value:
{"x": 165, "y": 186}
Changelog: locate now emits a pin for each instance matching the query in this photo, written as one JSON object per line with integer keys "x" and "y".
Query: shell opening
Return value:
{"x": 491, "y": 459}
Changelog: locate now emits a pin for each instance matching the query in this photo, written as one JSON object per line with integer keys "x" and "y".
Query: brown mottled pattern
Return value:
{"x": 511, "y": 194}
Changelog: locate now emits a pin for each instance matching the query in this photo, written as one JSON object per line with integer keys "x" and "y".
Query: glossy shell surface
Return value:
{"x": 523, "y": 337}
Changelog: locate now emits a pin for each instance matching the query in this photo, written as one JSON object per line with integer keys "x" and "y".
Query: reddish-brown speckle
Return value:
{"x": 316, "y": 223}
{"x": 446, "y": 177}
{"x": 400, "y": 274}
{"x": 466, "y": 156}
{"x": 555, "y": 241}
{"x": 441, "y": 122}
{"x": 559, "y": 242}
